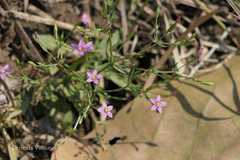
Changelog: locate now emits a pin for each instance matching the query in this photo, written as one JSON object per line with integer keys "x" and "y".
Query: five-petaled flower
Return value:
{"x": 85, "y": 19}
{"x": 81, "y": 48}
{"x": 94, "y": 77}
{"x": 157, "y": 104}
{"x": 105, "y": 110}
{"x": 5, "y": 71}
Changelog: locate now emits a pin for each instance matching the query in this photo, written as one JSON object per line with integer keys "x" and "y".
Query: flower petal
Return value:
{"x": 85, "y": 18}
{"x": 153, "y": 100}
{"x": 100, "y": 109}
{"x": 109, "y": 114}
{"x": 74, "y": 46}
{"x": 110, "y": 108}
{"x": 89, "y": 73}
{"x": 89, "y": 80}
{"x": 159, "y": 109}
{"x": 4, "y": 71}
{"x": 153, "y": 107}
{"x": 81, "y": 53}
{"x": 89, "y": 47}
{"x": 81, "y": 43}
{"x": 95, "y": 81}
{"x": 6, "y": 68}
{"x": 94, "y": 72}
{"x": 158, "y": 98}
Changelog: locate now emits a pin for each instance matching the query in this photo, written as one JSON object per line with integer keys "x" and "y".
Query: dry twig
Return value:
{"x": 34, "y": 54}
{"x": 53, "y": 22}
{"x": 122, "y": 5}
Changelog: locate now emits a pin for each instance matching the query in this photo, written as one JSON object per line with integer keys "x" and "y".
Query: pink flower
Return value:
{"x": 105, "y": 110}
{"x": 82, "y": 48}
{"x": 85, "y": 19}
{"x": 5, "y": 71}
{"x": 157, "y": 104}
{"x": 93, "y": 76}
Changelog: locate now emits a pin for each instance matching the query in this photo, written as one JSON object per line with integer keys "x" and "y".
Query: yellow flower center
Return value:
{"x": 80, "y": 49}
{"x": 158, "y": 104}
{"x": 94, "y": 77}
{"x": 106, "y": 110}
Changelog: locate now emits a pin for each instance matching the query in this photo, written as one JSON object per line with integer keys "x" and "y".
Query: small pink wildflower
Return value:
{"x": 94, "y": 76}
{"x": 85, "y": 19}
{"x": 157, "y": 104}
{"x": 5, "y": 71}
{"x": 105, "y": 110}
{"x": 82, "y": 47}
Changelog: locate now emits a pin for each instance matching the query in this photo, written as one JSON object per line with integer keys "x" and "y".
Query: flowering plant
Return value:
{"x": 91, "y": 74}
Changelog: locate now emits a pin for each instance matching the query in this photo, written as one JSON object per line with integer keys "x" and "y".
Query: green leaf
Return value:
{"x": 46, "y": 41}
{"x": 26, "y": 100}
{"x": 116, "y": 38}
{"x": 49, "y": 44}
{"x": 68, "y": 118}
{"x": 120, "y": 80}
